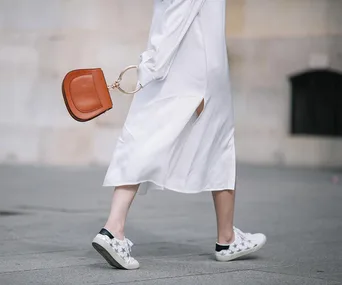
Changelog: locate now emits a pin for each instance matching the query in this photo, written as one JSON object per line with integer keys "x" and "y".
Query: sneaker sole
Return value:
{"x": 239, "y": 254}
{"x": 113, "y": 259}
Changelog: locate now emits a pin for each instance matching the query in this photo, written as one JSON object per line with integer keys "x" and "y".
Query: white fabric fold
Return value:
{"x": 163, "y": 46}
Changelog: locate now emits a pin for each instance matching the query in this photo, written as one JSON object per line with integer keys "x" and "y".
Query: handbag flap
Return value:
{"x": 86, "y": 94}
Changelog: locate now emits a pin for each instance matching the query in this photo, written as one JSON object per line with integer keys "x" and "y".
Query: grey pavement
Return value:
{"x": 48, "y": 217}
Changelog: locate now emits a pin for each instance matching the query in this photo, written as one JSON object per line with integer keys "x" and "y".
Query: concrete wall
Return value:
{"x": 39, "y": 42}
{"x": 268, "y": 41}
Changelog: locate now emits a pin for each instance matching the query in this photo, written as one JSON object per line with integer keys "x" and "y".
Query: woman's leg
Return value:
{"x": 122, "y": 199}
{"x": 232, "y": 243}
{"x": 110, "y": 242}
{"x": 224, "y": 206}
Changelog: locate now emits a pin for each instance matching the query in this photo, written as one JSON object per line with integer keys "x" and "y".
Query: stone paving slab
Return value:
{"x": 59, "y": 210}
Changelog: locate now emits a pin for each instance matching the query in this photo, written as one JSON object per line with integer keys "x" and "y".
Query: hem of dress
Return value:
{"x": 161, "y": 187}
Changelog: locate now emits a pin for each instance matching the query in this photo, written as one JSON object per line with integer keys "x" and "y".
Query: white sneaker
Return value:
{"x": 116, "y": 252}
{"x": 244, "y": 243}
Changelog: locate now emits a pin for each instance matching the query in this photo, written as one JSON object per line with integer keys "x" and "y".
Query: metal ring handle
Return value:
{"x": 117, "y": 82}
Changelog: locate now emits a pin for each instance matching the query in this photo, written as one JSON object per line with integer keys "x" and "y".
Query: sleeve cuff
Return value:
{"x": 145, "y": 76}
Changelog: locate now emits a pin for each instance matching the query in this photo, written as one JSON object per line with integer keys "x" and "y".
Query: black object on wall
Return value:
{"x": 317, "y": 103}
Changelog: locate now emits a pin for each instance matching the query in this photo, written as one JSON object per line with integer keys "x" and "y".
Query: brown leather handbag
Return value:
{"x": 86, "y": 93}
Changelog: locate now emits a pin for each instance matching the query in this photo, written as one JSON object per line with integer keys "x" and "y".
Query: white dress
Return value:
{"x": 164, "y": 144}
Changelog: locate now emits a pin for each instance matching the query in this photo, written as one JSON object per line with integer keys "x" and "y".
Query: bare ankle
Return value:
{"x": 117, "y": 232}
{"x": 226, "y": 239}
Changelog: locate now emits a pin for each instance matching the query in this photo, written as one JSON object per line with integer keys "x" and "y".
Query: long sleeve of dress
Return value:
{"x": 176, "y": 21}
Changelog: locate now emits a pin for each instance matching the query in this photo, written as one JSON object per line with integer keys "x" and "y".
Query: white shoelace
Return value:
{"x": 241, "y": 232}
{"x": 242, "y": 235}
{"x": 128, "y": 246}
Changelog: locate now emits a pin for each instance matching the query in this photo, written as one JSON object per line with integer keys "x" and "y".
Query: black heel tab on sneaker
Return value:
{"x": 106, "y": 233}
{"x": 220, "y": 247}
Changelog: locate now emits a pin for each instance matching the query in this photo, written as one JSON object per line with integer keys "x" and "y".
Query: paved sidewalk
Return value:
{"x": 50, "y": 215}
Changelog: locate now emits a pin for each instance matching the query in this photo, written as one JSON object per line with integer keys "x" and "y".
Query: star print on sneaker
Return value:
{"x": 116, "y": 252}
{"x": 244, "y": 243}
